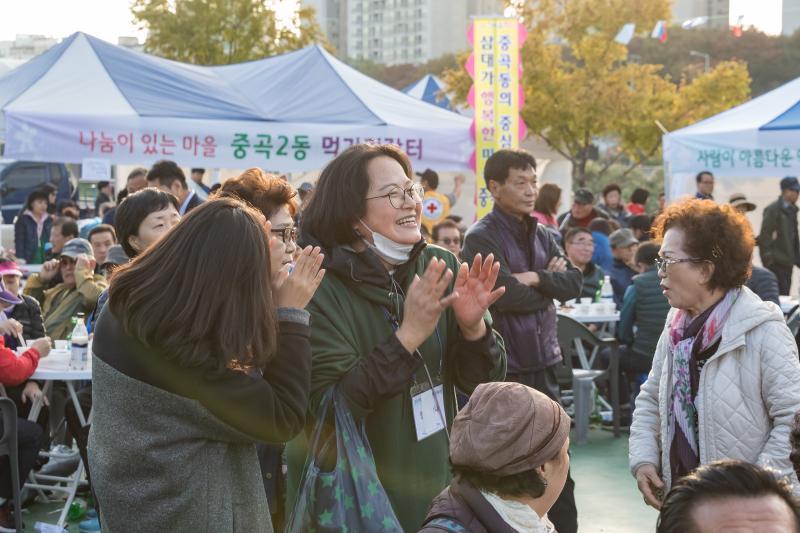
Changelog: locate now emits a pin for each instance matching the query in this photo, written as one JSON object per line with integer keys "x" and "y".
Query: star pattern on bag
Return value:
{"x": 326, "y": 518}
{"x": 373, "y": 488}
{"x": 366, "y": 511}
{"x": 348, "y": 503}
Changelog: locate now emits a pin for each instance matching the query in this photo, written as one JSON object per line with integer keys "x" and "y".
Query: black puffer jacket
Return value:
{"x": 462, "y": 508}
{"x": 29, "y": 314}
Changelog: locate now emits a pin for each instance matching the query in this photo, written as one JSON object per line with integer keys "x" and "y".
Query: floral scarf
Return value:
{"x": 682, "y": 415}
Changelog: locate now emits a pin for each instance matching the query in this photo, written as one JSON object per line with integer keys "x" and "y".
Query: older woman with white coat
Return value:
{"x": 725, "y": 381}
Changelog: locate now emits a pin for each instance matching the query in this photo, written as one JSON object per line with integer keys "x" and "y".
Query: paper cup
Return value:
{"x": 62, "y": 345}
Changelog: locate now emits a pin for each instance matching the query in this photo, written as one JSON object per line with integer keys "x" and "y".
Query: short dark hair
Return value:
{"x": 136, "y": 172}
{"x": 230, "y": 319}
{"x": 38, "y": 194}
{"x": 68, "y": 225}
{"x": 715, "y": 481}
{"x": 200, "y": 170}
{"x": 547, "y": 199}
{"x": 166, "y": 172}
{"x": 611, "y": 187}
{"x": 135, "y": 209}
{"x": 431, "y": 177}
{"x": 265, "y": 192}
{"x": 647, "y": 253}
{"x": 444, "y": 224}
{"x": 573, "y": 232}
{"x": 340, "y": 198}
{"x": 718, "y": 234}
{"x": 528, "y": 483}
{"x": 49, "y": 188}
{"x": 600, "y": 224}
{"x": 500, "y": 162}
{"x": 641, "y": 222}
{"x": 640, "y": 196}
{"x": 702, "y": 173}
{"x": 102, "y": 228}
{"x": 102, "y": 184}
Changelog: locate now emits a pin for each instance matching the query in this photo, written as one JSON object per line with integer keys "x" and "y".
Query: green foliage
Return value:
{"x": 219, "y": 32}
{"x": 580, "y": 86}
{"x": 771, "y": 60}
{"x": 650, "y": 178}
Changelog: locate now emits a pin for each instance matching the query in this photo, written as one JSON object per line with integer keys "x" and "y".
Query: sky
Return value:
{"x": 763, "y": 14}
{"x": 106, "y": 19}
{"x": 109, "y": 19}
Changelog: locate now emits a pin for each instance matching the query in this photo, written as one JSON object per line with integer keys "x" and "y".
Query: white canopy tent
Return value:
{"x": 86, "y": 98}
{"x": 757, "y": 140}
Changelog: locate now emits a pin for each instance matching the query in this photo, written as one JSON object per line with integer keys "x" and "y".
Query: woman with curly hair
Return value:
{"x": 725, "y": 381}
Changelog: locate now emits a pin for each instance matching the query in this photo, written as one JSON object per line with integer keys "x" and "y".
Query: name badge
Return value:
{"x": 429, "y": 413}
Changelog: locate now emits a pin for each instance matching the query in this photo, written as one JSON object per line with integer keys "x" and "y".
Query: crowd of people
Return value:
{"x": 348, "y": 356}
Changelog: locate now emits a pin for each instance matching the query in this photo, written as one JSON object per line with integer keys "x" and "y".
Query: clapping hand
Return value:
{"x": 425, "y": 302}
{"x": 298, "y": 287}
{"x": 476, "y": 293}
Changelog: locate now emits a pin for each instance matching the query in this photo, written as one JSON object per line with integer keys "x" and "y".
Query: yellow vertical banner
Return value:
{"x": 495, "y": 95}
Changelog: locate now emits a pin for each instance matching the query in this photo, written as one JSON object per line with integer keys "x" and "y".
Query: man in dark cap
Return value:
{"x": 582, "y": 212}
{"x": 778, "y": 240}
{"x": 509, "y": 452}
{"x": 77, "y": 293}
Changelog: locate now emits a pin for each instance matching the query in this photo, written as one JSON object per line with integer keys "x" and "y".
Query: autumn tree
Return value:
{"x": 581, "y": 86}
{"x": 218, "y": 32}
{"x": 772, "y": 60}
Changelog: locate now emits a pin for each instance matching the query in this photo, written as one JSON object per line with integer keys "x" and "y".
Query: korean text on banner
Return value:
{"x": 496, "y": 95}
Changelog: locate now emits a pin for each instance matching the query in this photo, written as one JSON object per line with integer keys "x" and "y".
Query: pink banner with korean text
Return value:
{"x": 284, "y": 147}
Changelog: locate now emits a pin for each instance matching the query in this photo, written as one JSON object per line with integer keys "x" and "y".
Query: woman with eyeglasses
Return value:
{"x": 392, "y": 317}
{"x": 579, "y": 246}
{"x": 276, "y": 199}
{"x": 725, "y": 381}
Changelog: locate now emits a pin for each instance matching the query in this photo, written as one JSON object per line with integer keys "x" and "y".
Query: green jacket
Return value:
{"x": 354, "y": 347}
{"x": 775, "y": 241}
{"x": 61, "y": 303}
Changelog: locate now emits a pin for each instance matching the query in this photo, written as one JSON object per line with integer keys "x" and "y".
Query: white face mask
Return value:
{"x": 390, "y": 251}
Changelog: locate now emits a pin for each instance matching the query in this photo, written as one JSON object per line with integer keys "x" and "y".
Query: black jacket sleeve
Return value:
{"x": 268, "y": 408}
{"x": 476, "y": 362}
{"x": 518, "y": 298}
{"x": 272, "y": 408}
{"x": 385, "y": 372}
{"x": 521, "y": 298}
{"x": 560, "y": 286}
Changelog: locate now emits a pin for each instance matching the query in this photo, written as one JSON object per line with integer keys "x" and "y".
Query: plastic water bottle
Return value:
{"x": 80, "y": 345}
{"x": 607, "y": 291}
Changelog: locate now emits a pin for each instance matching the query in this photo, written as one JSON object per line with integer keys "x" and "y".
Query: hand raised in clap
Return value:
{"x": 425, "y": 302}
{"x": 476, "y": 293}
{"x": 296, "y": 289}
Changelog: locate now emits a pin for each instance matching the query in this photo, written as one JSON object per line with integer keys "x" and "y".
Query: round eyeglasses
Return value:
{"x": 397, "y": 196}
